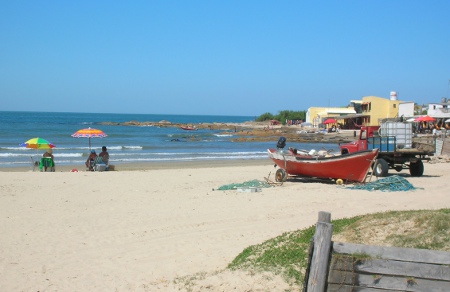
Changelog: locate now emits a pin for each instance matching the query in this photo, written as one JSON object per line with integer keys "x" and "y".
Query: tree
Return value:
{"x": 282, "y": 116}
{"x": 265, "y": 117}
{"x": 420, "y": 109}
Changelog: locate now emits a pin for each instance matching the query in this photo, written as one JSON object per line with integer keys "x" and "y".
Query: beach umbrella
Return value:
{"x": 425, "y": 119}
{"x": 329, "y": 121}
{"x": 89, "y": 133}
{"x": 38, "y": 143}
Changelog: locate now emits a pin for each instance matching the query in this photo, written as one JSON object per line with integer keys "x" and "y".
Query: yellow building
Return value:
{"x": 316, "y": 115}
{"x": 369, "y": 111}
{"x": 378, "y": 108}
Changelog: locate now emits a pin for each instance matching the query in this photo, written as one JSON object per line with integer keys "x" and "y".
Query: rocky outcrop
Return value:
{"x": 262, "y": 132}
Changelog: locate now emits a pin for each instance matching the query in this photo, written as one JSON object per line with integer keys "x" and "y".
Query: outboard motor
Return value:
{"x": 281, "y": 143}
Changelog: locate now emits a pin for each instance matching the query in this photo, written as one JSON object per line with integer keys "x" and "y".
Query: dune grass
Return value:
{"x": 287, "y": 254}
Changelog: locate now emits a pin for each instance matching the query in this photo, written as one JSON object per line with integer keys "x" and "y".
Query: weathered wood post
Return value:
{"x": 320, "y": 258}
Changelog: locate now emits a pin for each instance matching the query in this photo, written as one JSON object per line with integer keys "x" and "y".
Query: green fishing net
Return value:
{"x": 393, "y": 183}
{"x": 252, "y": 183}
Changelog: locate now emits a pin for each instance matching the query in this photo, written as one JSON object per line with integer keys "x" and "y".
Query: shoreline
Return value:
{"x": 152, "y": 165}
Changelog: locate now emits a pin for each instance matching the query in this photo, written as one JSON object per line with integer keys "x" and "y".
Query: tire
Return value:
{"x": 416, "y": 169}
{"x": 381, "y": 168}
{"x": 280, "y": 175}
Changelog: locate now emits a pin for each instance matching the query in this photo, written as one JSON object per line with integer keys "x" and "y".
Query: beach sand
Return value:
{"x": 142, "y": 226}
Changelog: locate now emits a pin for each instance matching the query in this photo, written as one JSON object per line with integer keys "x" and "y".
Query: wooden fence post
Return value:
{"x": 322, "y": 245}
{"x": 324, "y": 217}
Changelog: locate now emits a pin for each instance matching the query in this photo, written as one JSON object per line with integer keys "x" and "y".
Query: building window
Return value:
{"x": 366, "y": 106}
{"x": 395, "y": 105}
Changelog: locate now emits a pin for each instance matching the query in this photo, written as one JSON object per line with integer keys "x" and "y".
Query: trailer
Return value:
{"x": 395, "y": 145}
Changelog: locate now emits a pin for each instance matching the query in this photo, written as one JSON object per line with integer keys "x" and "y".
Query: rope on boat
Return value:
{"x": 393, "y": 183}
{"x": 252, "y": 183}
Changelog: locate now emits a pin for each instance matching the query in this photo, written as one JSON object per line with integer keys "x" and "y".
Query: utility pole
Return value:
{"x": 448, "y": 88}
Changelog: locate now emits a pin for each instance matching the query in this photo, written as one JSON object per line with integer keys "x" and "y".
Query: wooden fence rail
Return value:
{"x": 347, "y": 267}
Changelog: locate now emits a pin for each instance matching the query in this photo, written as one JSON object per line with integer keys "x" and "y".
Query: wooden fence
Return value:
{"x": 347, "y": 267}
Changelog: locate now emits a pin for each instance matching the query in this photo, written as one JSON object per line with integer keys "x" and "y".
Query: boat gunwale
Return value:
{"x": 300, "y": 157}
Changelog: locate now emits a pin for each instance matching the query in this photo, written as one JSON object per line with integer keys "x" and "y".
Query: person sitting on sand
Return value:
{"x": 90, "y": 160}
{"x": 105, "y": 156}
{"x": 48, "y": 154}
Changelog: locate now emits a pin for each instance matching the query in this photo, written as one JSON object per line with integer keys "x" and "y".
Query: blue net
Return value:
{"x": 393, "y": 183}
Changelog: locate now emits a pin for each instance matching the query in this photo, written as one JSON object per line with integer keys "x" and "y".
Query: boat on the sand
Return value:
{"x": 351, "y": 167}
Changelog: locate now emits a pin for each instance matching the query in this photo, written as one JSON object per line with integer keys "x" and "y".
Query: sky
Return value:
{"x": 241, "y": 57}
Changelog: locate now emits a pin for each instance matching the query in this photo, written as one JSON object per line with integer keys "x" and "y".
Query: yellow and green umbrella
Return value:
{"x": 38, "y": 143}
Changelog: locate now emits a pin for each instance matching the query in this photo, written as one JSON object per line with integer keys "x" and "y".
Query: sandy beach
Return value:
{"x": 142, "y": 226}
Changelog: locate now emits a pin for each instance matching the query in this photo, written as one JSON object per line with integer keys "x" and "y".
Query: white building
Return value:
{"x": 439, "y": 110}
{"x": 406, "y": 109}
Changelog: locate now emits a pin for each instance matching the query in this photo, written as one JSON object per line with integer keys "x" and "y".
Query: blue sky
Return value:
{"x": 219, "y": 57}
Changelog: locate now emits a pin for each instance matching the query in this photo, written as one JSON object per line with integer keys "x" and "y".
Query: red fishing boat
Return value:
{"x": 351, "y": 167}
{"x": 188, "y": 128}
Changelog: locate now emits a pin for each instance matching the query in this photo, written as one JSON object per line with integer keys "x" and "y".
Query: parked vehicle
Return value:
{"x": 396, "y": 151}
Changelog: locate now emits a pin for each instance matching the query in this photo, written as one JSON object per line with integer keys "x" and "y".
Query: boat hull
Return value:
{"x": 348, "y": 167}
{"x": 188, "y": 128}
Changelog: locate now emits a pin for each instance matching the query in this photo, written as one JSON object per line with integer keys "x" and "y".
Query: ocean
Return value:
{"x": 126, "y": 144}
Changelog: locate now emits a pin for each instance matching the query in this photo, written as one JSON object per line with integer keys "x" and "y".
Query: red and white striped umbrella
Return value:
{"x": 89, "y": 133}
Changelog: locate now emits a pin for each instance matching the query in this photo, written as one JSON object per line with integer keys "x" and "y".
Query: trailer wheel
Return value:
{"x": 381, "y": 168}
{"x": 280, "y": 175}
{"x": 416, "y": 169}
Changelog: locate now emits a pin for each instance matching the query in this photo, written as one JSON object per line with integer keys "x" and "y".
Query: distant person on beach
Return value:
{"x": 49, "y": 154}
{"x": 105, "y": 156}
{"x": 91, "y": 160}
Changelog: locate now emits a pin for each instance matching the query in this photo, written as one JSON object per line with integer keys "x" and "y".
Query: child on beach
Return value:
{"x": 90, "y": 160}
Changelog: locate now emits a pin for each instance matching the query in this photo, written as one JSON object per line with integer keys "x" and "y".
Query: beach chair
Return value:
{"x": 98, "y": 164}
{"x": 47, "y": 163}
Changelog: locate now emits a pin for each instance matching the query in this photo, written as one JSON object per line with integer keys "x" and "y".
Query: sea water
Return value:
{"x": 126, "y": 144}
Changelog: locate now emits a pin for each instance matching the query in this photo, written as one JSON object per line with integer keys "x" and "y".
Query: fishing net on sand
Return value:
{"x": 393, "y": 183}
{"x": 252, "y": 183}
